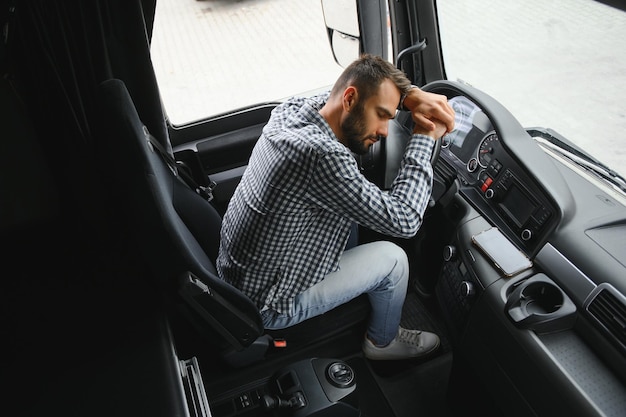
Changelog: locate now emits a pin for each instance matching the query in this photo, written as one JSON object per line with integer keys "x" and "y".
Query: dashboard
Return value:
{"x": 551, "y": 338}
{"x": 493, "y": 181}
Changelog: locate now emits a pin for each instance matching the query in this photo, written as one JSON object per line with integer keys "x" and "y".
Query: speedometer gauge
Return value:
{"x": 486, "y": 149}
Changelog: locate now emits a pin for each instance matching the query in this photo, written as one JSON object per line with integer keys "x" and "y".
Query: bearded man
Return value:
{"x": 284, "y": 234}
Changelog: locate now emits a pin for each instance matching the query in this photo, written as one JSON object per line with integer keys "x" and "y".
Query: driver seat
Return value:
{"x": 178, "y": 231}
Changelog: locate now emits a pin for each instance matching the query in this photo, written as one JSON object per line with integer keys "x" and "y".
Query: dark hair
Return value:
{"x": 367, "y": 73}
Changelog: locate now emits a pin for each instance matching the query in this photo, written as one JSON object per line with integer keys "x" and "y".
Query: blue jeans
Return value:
{"x": 380, "y": 269}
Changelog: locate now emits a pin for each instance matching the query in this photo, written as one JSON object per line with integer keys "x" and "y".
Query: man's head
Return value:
{"x": 369, "y": 91}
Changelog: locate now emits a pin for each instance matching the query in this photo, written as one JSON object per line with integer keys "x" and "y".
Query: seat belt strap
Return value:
{"x": 179, "y": 171}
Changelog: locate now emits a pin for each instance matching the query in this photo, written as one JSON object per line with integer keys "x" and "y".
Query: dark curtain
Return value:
{"x": 56, "y": 54}
{"x": 68, "y": 287}
{"x": 53, "y": 56}
{"x": 71, "y": 295}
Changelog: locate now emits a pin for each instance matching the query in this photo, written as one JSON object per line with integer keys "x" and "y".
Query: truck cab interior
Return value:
{"x": 110, "y": 216}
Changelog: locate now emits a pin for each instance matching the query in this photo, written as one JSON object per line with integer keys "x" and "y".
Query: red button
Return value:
{"x": 486, "y": 184}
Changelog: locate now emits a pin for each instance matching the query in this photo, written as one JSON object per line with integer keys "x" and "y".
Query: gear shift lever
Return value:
{"x": 274, "y": 402}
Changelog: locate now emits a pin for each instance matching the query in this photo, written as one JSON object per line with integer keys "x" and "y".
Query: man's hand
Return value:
{"x": 427, "y": 107}
{"x": 436, "y": 133}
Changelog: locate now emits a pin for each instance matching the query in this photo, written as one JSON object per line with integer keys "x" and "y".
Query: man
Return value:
{"x": 286, "y": 227}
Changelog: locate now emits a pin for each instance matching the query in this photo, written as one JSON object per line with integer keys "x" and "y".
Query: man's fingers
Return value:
{"x": 446, "y": 115}
{"x": 427, "y": 106}
{"x": 423, "y": 122}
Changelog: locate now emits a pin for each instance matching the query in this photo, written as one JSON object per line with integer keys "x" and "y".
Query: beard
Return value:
{"x": 353, "y": 129}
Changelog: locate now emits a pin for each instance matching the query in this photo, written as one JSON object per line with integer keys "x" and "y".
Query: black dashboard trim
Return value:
{"x": 518, "y": 143}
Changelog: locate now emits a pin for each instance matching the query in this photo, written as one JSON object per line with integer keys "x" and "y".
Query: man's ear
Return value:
{"x": 350, "y": 97}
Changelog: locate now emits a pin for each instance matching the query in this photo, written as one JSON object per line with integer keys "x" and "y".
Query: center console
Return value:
{"x": 530, "y": 299}
{"x": 312, "y": 387}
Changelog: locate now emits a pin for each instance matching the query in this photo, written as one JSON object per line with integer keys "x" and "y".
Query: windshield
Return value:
{"x": 212, "y": 57}
{"x": 559, "y": 64}
{"x": 556, "y": 64}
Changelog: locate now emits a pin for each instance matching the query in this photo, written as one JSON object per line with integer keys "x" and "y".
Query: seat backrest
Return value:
{"x": 175, "y": 228}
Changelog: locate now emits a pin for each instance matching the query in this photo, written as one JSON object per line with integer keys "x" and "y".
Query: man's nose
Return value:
{"x": 383, "y": 129}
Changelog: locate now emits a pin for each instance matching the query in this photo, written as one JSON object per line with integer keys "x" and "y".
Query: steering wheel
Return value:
{"x": 400, "y": 131}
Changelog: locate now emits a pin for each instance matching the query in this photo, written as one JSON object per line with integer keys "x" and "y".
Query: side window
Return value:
{"x": 552, "y": 64}
{"x": 216, "y": 56}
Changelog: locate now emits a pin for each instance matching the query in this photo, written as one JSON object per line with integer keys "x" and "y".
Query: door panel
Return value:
{"x": 223, "y": 146}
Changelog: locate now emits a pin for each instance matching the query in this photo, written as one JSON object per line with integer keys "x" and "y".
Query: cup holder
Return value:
{"x": 541, "y": 298}
{"x": 539, "y": 304}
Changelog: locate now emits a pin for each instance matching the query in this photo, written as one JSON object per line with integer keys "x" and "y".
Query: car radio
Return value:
{"x": 523, "y": 213}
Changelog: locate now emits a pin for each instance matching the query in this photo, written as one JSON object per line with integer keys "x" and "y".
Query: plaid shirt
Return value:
{"x": 288, "y": 221}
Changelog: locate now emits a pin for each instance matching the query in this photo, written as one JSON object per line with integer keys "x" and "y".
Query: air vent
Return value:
{"x": 608, "y": 308}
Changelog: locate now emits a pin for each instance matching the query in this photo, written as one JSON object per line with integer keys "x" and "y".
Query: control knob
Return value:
{"x": 467, "y": 289}
{"x": 449, "y": 253}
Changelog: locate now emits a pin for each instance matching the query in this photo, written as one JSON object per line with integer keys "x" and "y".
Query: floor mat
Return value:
{"x": 420, "y": 389}
{"x": 370, "y": 399}
{"x": 417, "y": 386}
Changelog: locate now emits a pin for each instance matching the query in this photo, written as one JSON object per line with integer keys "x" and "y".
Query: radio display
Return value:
{"x": 517, "y": 205}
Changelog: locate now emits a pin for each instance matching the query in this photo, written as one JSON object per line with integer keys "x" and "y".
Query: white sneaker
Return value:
{"x": 407, "y": 344}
